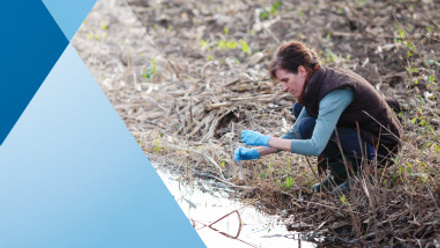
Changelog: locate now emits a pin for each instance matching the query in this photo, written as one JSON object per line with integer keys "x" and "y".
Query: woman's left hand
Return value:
{"x": 252, "y": 138}
{"x": 243, "y": 153}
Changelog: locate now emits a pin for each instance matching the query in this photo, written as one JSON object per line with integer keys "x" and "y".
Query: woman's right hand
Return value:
{"x": 243, "y": 153}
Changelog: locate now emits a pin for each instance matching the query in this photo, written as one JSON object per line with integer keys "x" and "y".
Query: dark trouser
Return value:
{"x": 344, "y": 153}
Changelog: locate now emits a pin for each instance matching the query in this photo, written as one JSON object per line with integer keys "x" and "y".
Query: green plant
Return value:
{"x": 343, "y": 200}
{"x": 226, "y": 30}
{"x": 272, "y": 10}
{"x": 245, "y": 48}
{"x": 204, "y": 43}
{"x": 156, "y": 146}
{"x": 103, "y": 26}
{"x": 288, "y": 183}
{"x": 331, "y": 57}
{"x": 151, "y": 70}
{"x": 226, "y": 44}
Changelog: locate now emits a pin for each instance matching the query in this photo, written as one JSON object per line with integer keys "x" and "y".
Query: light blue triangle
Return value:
{"x": 71, "y": 174}
{"x": 69, "y": 14}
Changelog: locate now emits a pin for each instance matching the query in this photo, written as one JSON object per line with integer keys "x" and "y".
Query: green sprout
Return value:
{"x": 151, "y": 70}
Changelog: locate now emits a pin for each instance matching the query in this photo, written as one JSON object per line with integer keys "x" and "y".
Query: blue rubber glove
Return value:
{"x": 252, "y": 138}
{"x": 243, "y": 153}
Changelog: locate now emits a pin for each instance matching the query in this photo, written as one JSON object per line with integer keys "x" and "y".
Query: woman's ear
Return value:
{"x": 302, "y": 71}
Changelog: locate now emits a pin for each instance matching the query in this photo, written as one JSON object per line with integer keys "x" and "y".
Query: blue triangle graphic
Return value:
{"x": 69, "y": 14}
{"x": 31, "y": 43}
{"x": 71, "y": 174}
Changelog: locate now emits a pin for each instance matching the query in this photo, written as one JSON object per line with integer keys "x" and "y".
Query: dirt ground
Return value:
{"x": 187, "y": 76}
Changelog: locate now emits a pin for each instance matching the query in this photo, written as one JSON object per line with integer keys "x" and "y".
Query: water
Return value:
{"x": 209, "y": 204}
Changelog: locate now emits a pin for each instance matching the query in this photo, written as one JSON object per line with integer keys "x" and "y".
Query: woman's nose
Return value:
{"x": 284, "y": 86}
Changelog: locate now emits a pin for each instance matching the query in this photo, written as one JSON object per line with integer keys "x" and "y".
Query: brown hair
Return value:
{"x": 290, "y": 56}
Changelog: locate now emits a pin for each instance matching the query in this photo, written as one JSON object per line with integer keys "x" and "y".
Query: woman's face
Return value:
{"x": 293, "y": 83}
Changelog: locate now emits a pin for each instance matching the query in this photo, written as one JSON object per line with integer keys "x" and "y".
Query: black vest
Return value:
{"x": 378, "y": 124}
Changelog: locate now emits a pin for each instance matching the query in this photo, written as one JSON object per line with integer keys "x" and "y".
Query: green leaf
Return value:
{"x": 275, "y": 6}
{"x": 343, "y": 200}
{"x": 203, "y": 43}
{"x": 288, "y": 183}
{"x": 394, "y": 176}
{"x": 328, "y": 36}
{"x": 431, "y": 79}
{"x": 150, "y": 71}
{"x": 429, "y": 29}
{"x": 245, "y": 47}
{"x": 231, "y": 44}
{"x": 223, "y": 44}
{"x": 413, "y": 120}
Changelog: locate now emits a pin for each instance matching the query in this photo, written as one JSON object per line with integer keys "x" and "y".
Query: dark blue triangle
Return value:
{"x": 30, "y": 44}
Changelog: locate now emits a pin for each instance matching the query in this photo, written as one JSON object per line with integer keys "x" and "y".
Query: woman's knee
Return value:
{"x": 305, "y": 127}
{"x": 348, "y": 140}
{"x": 297, "y": 109}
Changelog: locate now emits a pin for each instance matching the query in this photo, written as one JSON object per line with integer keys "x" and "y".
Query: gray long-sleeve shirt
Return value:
{"x": 330, "y": 109}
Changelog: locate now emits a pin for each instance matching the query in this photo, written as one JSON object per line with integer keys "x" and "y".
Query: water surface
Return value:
{"x": 208, "y": 202}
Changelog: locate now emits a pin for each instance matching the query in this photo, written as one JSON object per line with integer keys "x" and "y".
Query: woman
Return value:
{"x": 339, "y": 116}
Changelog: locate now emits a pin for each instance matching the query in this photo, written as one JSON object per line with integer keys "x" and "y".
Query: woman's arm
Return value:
{"x": 264, "y": 150}
{"x": 330, "y": 109}
{"x": 280, "y": 144}
{"x": 283, "y": 143}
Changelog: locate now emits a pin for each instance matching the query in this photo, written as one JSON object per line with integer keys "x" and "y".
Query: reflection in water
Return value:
{"x": 222, "y": 222}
